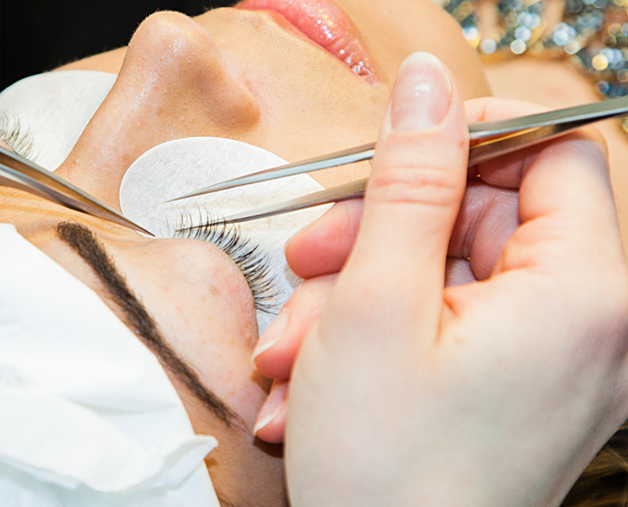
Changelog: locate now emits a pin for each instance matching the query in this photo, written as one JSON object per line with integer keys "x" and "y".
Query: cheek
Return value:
{"x": 310, "y": 102}
{"x": 396, "y": 28}
{"x": 313, "y": 113}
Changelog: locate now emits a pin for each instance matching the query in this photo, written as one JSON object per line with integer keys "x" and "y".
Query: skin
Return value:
{"x": 496, "y": 392}
{"x": 241, "y": 83}
{"x": 234, "y": 74}
{"x": 552, "y": 82}
{"x": 557, "y": 85}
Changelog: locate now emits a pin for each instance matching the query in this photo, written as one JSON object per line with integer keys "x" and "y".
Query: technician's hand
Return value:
{"x": 488, "y": 217}
{"x": 489, "y": 393}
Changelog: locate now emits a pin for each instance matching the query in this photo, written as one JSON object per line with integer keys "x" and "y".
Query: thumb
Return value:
{"x": 416, "y": 187}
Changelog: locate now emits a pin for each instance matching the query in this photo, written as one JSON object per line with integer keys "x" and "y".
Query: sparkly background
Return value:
{"x": 591, "y": 35}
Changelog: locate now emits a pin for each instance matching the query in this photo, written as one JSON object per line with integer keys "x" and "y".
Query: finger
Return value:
{"x": 323, "y": 247}
{"x": 567, "y": 198}
{"x": 488, "y": 217}
{"x": 458, "y": 272}
{"x": 271, "y": 421}
{"x": 414, "y": 193}
{"x": 507, "y": 171}
{"x": 503, "y": 171}
{"x": 278, "y": 346}
{"x": 493, "y": 109}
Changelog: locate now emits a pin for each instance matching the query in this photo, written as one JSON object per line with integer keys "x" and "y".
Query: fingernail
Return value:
{"x": 273, "y": 333}
{"x": 271, "y": 407}
{"x": 422, "y": 94}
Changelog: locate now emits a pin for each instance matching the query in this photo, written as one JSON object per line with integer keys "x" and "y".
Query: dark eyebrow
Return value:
{"x": 84, "y": 242}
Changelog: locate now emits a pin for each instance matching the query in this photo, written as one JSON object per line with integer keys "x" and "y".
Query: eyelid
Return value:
{"x": 253, "y": 263}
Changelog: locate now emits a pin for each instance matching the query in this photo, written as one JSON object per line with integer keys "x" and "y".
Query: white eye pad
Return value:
{"x": 53, "y": 109}
{"x": 178, "y": 167}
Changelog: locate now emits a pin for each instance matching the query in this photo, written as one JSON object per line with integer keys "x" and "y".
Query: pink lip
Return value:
{"x": 324, "y": 23}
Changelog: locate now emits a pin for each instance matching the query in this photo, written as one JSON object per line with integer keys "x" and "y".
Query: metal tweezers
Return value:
{"x": 17, "y": 172}
{"x": 489, "y": 140}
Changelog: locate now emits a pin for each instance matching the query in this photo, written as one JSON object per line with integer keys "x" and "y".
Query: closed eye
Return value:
{"x": 253, "y": 263}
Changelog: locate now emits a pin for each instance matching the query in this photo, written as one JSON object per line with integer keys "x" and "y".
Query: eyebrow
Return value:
{"x": 84, "y": 242}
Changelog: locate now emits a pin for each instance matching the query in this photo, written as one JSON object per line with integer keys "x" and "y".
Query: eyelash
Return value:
{"x": 253, "y": 264}
{"x": 12, "y": 135}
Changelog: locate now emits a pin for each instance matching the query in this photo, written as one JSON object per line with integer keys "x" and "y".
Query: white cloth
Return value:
{"x": 88, "y": 417}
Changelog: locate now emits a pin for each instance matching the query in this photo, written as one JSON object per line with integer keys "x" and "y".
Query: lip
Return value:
{"x": 323, "y": 23}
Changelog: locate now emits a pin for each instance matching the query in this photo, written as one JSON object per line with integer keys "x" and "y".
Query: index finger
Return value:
{"x": 507, "y": 171}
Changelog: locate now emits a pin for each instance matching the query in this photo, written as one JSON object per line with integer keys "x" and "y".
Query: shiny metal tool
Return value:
{"x": 488, "y": 140}
{"x": 17, "y": 172}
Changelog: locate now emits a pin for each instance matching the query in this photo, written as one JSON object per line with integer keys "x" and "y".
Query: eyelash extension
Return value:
{"x": 254, "y": 264}
{"x": 13, "y": 136}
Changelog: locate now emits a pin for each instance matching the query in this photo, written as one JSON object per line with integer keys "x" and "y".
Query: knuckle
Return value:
{"x": 427, "y": 185}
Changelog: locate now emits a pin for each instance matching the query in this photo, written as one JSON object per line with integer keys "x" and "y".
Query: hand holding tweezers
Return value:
{"x": 489, "y": 140}
{"x": 17, "y": 172}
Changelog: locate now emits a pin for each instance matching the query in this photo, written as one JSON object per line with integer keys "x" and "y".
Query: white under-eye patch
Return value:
{"x": 52, "y": 110}
{"x": 182, "y": 166}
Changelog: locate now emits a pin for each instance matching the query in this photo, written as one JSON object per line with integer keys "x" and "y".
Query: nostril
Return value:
{"x": 172, "y": 85}
{"x": 178, "y": 60}
{"x": 169, "y": 35}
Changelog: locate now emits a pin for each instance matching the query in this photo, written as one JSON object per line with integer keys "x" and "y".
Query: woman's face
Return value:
{"x": 254, "y": 74}
{"x": 250, "y": 75}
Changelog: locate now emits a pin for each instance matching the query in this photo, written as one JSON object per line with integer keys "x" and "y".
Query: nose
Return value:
{"x": 173, "y": 84}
